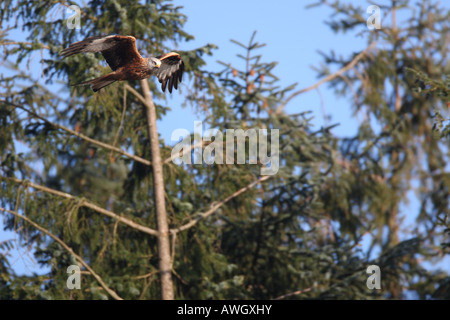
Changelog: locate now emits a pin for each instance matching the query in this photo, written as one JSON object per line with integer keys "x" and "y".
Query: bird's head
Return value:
{"x": 154, "y": 62}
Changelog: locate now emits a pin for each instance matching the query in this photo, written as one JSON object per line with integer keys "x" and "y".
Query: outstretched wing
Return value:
{"x": 171, "y": 70}
{"x": 117, "y": 50}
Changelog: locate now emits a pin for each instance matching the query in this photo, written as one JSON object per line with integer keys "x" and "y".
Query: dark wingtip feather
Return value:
{"x": 163, "y": 85}
{"x": 176, "y": 78}
{"x": 180, "y": 72}
{"x": 171, "y": 80}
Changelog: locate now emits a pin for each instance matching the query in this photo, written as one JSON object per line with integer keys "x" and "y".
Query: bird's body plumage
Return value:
{"x": 121, "y": 54}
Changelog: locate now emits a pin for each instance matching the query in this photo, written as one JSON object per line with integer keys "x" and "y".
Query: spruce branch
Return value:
{"x": 85, "y": 203}
{"x": 295, "y": 293}
{"x": 213, "y": 208}
{"x": 111, "y": 292}
{"x": 80, "y": 135}
{"x": 186, "y": 150}
{"x": 136, "y": 94}
{"x": 328, "y": 78}
{"x": 23, "y": 43}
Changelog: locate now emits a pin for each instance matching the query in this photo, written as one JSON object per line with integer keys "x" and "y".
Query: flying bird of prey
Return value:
{"x": 122, "y": 56}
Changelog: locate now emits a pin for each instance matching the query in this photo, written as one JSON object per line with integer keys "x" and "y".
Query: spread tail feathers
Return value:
{"x": 97, "y": 84}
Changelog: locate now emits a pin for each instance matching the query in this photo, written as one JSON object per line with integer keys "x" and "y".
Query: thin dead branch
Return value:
{"x": 81, "y": 136}
{"x": 217, "y": 205}
{"x": 86, "y": 204}
{"x": 328, "y": 78}
{"x": 111, "y": 292}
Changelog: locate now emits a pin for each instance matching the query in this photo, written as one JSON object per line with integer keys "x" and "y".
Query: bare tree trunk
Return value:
{"x": 165, "y": 263}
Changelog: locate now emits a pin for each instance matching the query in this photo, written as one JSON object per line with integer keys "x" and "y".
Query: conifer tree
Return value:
{"x": 396, "y": 146}
{"x": 90, "y": 189}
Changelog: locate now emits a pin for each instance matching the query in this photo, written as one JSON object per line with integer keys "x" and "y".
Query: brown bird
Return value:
{"x": 122, "y": 56}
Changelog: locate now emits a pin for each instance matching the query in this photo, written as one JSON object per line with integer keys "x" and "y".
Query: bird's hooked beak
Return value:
{"x": 158, "y": 64}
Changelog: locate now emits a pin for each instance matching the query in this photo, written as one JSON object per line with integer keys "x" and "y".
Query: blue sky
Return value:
{"x": 293, "y": 37}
